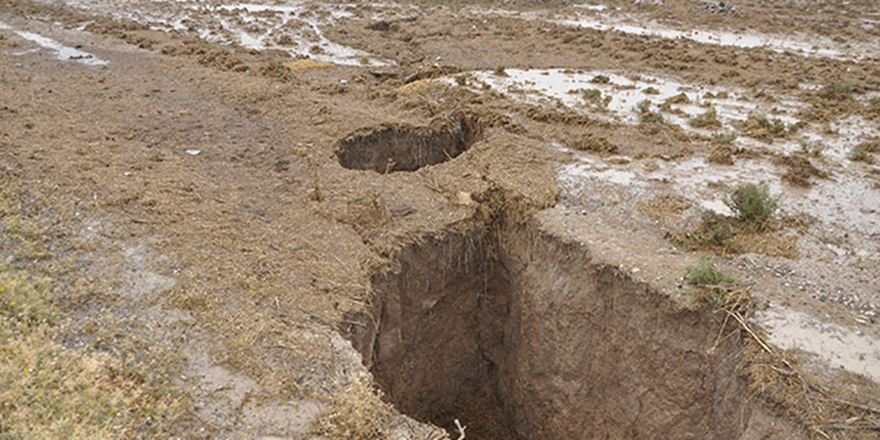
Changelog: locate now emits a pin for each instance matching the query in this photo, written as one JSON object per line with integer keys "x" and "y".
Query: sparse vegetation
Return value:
{"x": 761, "y": 127}
{"x": 706, "y": 274}
{"x": 358, "y": 413}
{"x": 600, "y": 79}
{"x": 837, "y": 91}
{"x": 812, "y": 148}
{"x": 711, "y": 281}
{"x": 752, "y": 204}
{"x": 725, "y": 137}
{"x": 594, "y": 97}
{"x": 709, "y": 119}
{"x": 861, "y": 153}
{"x": 646, "y": 115}
{"x": 48, "y": 391}
{"x": 714, "y": 231}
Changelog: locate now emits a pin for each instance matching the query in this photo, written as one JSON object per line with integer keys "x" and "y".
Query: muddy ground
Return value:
{"x": 292, "y": 208}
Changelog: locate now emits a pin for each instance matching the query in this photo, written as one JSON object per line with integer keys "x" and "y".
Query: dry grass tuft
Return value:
{"x": 307, "y": 64}
{"x": 416, "y": 87}
{"x": 761, "y": 127}
{"x": 358, "y": 413}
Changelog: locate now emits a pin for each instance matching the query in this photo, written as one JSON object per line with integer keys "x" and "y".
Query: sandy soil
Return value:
{"x": 198, "y": 154}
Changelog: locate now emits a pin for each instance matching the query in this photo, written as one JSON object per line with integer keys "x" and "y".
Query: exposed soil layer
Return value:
{"x": 520, "y": 335}
{"x": 207, "y": 177}
{"x": 404, "y": 148}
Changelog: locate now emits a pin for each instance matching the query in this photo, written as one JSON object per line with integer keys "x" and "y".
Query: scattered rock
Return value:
{"x": 719, "y": 8}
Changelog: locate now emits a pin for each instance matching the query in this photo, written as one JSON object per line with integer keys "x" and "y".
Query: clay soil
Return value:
{"x": 286, "y": 232}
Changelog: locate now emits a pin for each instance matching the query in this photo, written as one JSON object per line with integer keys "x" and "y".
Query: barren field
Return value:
{"x": 512, "y": 220}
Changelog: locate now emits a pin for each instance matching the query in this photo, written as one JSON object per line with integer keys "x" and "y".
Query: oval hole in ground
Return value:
{"x": 399, "y": 147}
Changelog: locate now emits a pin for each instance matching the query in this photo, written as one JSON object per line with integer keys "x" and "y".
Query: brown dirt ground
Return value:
{"x": 270, "y": 243}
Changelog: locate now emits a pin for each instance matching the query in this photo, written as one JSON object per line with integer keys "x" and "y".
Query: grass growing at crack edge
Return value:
{"x": 711, "y": 280}
{"x": 358, "y": 413}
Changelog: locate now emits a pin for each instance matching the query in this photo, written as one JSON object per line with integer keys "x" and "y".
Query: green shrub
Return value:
{"x": 837, "y": 91}
{"x": 646, "y": 115}
{"x": 752, "y": 204}
{"x": 861, "y": 153}
{"x": 725, "y": 137}
{"x": 813, "y": 148}
{"x": 706, "y": 274}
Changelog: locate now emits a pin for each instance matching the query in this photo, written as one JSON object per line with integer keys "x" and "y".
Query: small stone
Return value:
{"x": 464, "y": 198}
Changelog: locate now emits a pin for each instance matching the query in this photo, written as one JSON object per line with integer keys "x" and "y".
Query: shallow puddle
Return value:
{"x": 721, "y": 38}
{"x": 303, "y": 41}
{"x": 594, "y": 17}
{"x": 59, "y": 50}
{"x": 615, "y": 96}
{"x": 841, "y": 347}
{"x": 292, "y": 27}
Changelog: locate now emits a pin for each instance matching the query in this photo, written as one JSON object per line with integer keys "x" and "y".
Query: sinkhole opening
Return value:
{"x": 522, "y": 336}
{"x": 398, "y": 147}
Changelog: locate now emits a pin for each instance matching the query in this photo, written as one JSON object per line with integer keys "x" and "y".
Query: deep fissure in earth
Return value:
{"x": 396, "y": 147}
{"x": 522, "y": 336}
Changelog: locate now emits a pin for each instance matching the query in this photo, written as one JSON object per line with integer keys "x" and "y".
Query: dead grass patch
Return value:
{"x": 307, "y": 64}
{"x": 47, "y": 390}
{"x": 358, "y": 413}
{"x": 663, "y": 207}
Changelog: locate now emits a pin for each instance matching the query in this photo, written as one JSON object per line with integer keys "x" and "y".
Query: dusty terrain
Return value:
{"x": 303, "y": 219}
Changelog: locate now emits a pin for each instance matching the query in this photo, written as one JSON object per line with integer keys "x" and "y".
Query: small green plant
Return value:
{"x": 837, "y": 91}
{"x": 461, "y": 80}
{"x": 651, "y": 91}
{"x": 646, "y": 115}
{"x": 875, "y": 102}
{"x": 709, "y": 119}
{"x": 725, "y": 137}
{"x": 711, "y": 280}
{"x": 600, "y": 79}
{"x": 759, "y": 126}
{"x": 714, "y": 231}
{"x": 752, "y": 204}
{"x": 812, "y": 148}
{"x": 861, "y": 153}
{"x": 594, "y": 97}
{"x": 708, "y": 275}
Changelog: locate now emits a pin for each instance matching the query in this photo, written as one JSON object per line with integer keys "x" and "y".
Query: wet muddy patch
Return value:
{"x": 60, "y": 51}
{"x": 599, "y": 19}
{"x": 293, "y": 27}
{"x": 399, "y": 147}
{"x": 519, "y": 335}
